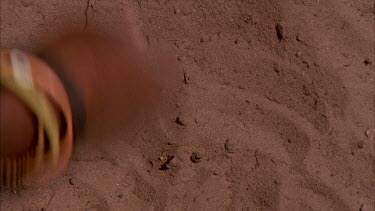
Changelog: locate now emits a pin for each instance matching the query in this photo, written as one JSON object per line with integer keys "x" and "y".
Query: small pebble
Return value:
{"x": 180, "y": 121}
{"x": 280, "y": 31}
{"x": 277, "y": 69}
{"x": 216, "y": 172}
{"x": 196, "y": 157}
{"x": 360, "y": 144}
{"x": 367, "y": 61}
{"x": 71, "y": 181}
{"x": 180, "y": 58}
{"x": 220, "y": 35}
{"x": 239, "y": 41}
{"x": 169, "y": 163}
{"x": 229, "y": 146}
{"x": 363, "y": 208}
{"x": 176, "y": 11}
{"x": 204, "y": 39}
{"x": 299, "y": 54}
{"x": 172, "y": 163}
{"x": 299, "y": 38}
{"x": 120, "y": 196}
{"x": 186, "y": 78}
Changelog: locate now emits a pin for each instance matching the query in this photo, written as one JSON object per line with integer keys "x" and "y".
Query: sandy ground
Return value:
{"x": 274, "y": 109}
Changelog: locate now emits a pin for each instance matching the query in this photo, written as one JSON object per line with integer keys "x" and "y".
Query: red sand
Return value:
{"x": 274, "y": 108}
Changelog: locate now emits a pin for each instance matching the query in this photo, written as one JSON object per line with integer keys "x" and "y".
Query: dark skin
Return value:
{"x": 14, "y": 118}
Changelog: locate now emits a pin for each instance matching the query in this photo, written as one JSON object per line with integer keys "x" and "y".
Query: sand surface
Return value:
{"x": 274, "y": 108}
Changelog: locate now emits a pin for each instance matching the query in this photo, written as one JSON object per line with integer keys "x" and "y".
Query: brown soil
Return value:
{"x": 274, "y": 108}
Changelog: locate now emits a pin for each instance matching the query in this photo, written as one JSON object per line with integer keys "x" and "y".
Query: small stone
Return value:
{"x": 367, "y": 61}
{"x": 277, "y": 69}
{"x": 169, "y": 163}
{"x": 306, "y": 90}
{"x": 363, "y": 208}
{"x": 280, "y": 31}
{"x": 180, "y": 58}
{"x": 300, "y": 38}
{"x": 229, "y": 146}
{"x": 177, "y": 11}
{"x": 172, "y": 162}
{"x": 241, "y": 42}
{"x": 196, "y": 157}
{"x": 186, "y": 78}
{"x": 161, "y": 158}
{"x": 360, "y": 144}
{"x": 71, "y": 181}
{"x": 120, "y": 196}
{"x": 180, "y": 121}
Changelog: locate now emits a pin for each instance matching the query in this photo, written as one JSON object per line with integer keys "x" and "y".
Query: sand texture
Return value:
{"x": 274, "y": 108}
